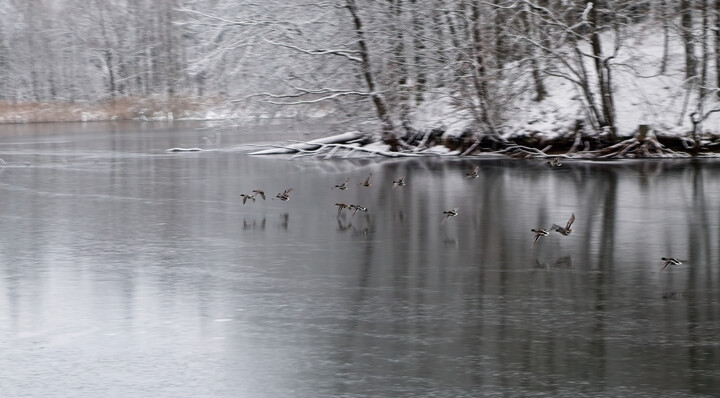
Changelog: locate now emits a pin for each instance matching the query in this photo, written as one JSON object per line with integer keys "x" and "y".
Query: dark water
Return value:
{"x": 128, "y": 271}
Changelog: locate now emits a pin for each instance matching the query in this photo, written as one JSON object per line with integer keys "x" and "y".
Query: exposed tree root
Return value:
{"x": 643, "y": 145}
{"x": 521, "y": 152}
{"x": 471, "y": 148}
{"x": 334, "y": 150}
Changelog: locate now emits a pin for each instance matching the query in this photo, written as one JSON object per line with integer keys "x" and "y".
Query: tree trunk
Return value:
{"x": 717, "y": 47}
{"x": 503, "y": 44}
{"x": 5, "y": 94}
{"x": 705, "y": 54}
{"x": 455, "y": 40}
{"x": 378, "y": 101}
{"x": 400, "y": 66}
{"x": 480, "y": 69}
{"x": 480, "y": 83}
{"x": 442, "y": 46}
{"x": 595, "y": 116}
{"x": 602, "y": 68}
{"x": 666, "y": 35}
{"x": 686, "y": 27}
{"x": 532, "y": 53}
{"x": 419, "y": 50}
{"x": 107, "y": 57}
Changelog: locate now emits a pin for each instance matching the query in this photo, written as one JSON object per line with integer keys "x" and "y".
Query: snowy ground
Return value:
{"x": 642, "y": 96}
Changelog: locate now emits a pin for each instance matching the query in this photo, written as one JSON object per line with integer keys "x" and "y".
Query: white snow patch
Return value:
{"x": 378, "y": 146}
{"x": 439, "y": 149}
{"x": 641, "y": 95}
{"x": 439, "y": 112}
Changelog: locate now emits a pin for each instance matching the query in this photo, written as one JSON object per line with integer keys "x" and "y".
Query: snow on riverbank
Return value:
{"x": 642, "y": 96}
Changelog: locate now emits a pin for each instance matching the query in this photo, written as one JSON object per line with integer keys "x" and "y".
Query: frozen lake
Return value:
{"x": 126, "y": 271}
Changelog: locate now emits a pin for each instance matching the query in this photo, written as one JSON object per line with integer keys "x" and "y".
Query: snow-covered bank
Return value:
{"x": 558, "y": 125}
{"x": 662, "y": 103}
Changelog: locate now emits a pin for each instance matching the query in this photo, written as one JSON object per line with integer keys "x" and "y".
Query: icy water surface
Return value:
{"x": 126, "y": 271}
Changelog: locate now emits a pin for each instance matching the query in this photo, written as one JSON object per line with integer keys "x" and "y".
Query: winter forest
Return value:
{"x": 610, "y": 77}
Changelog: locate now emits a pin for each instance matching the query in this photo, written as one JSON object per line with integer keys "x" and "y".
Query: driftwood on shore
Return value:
{"x": 183, "y": 150}
{"x": 343, "y": 145}
{"x": 313, "y": 145}
{"x": 328, "y": 151}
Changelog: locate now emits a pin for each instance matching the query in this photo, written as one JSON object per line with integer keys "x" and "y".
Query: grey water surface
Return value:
{"x": 127, "y": 271}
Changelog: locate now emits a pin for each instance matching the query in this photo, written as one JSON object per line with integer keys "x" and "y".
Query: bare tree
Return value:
{"x": 378, "y": 61}
{"x": 603, "y": 70}
{"x": 665, "y": 20}
{"x": 716, "y": 41}
{"x": 366, "y": 68}
{"x": 686, "y": 31}
{"x": 571, "y": 39}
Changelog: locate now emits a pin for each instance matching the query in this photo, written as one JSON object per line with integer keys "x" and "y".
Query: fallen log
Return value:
{"x": 328, "y": 151}
{"x": 312, "y": 145}
{"x": 183, "y": 150}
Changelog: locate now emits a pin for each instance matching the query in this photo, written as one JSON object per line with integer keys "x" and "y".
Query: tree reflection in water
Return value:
{"x": 154, "y": 262}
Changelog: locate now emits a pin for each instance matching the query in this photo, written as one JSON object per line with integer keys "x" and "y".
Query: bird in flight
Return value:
{"x": 245, "y": 197}
{"x": 259, "y": 192}
{"x": 473, "y": 173}
{"x": 356, "y": 208}
{"x": 341, "y": 206}
{"x": 399, "y": 183}
{"x": 538, "y": 233}
{"x": 565, "y": 230}
{"x": 343, "y": 186}
{"x": 285, "y": 195}
{"x": 367, "y": 181}
{"x": 450, "y": 213}
{"x": 670, "y": 261}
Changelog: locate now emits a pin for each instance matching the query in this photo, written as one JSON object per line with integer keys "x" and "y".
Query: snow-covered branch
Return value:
{"x": 314, "y": 100}
{"x": 349, "y": 54}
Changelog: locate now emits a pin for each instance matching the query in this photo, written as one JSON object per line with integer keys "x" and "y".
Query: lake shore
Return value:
{"x": 555, "y": 140}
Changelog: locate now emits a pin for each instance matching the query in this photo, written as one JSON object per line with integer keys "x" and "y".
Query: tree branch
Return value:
{"x": 348, "y": 54}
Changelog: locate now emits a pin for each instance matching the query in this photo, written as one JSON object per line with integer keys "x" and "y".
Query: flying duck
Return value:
{"x": 342, "y": 206}
{"x": 538, "y": 233}
{"x": 450, "y": 213}
{"x": 473, "y": 173}
{"x": 566, "y": 230}
{"x": 246, "y": 197}
{"x": 285, "y": 195}
{"x": 355, "y": 208}
{"x": 670, "y": 261}
{"x": 367, "y": 181}
{"x": 260, "y": 192}
{"x": 343, "y": 186}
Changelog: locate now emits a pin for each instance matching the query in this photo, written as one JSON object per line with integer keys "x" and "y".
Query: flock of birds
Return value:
{"x": 566, "y": 230}
{"x": 284, "y": 196}
{"x": 561, "y": 230}
{"x": 474, "y": 173}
